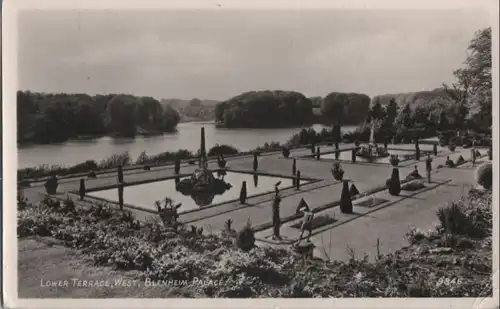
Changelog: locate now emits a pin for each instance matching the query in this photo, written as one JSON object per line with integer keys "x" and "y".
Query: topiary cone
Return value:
{"x": 484, "y": 175}
{"x": 177, "y": 166}
{"x": 120, "y": 174}
{"x": 394, "y": 183}
{"x": 243, "y": 193}
{"x": 353, "y": 190}
{"x": 345, "y": 199}
{"x": 82, "y": 188}
{"x": 120, "y": 197}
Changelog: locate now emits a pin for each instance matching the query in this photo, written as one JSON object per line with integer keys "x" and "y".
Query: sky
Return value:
{"x": 210, "y": 54}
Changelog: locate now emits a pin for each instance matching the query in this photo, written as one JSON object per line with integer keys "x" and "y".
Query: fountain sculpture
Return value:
{"x": 372, "y": 151}
{"x": 202, "y": 186}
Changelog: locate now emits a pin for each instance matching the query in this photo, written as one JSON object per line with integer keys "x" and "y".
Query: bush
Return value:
{"x": 394, "y": 183}
{"x": 245, "y": 240}
{"x": 222, "y": 150}
{"x": 484, "y": 175}
{"x": 460, "y": 160}
{"x": 286, "y": 152}
{"x": 468, "y": 216}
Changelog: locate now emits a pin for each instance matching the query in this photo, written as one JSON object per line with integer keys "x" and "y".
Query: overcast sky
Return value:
{"x": 219, "y": 54}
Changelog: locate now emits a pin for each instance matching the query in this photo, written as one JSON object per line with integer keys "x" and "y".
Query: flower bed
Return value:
{"x": 458, "y": 248}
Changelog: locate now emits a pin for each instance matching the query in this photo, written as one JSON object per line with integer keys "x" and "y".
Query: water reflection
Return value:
{"x": 255, "y": 180}
{"x": 202, "y": 186}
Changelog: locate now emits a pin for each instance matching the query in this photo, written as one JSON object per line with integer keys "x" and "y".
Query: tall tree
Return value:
{"x": 472, "y": 91}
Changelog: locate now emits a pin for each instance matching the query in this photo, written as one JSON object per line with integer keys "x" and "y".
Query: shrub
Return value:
{"x": 51, "y": 185}
{"x": 337, "y": 171}
{"x": 460, "y": 160}
{"x": 177, "y": 165}
{"x": 394, "y": 183}
{"x": 469, "y": 216}
{"x": 245, "y": 239}
{"x": 345, "y": 199}
{"x": 222, "y": 150}
{"x": 484, "y": 175}
{"x": 415, "y": 236}
{"x": 394, "y": 160}
{"x": 285, "y": 151}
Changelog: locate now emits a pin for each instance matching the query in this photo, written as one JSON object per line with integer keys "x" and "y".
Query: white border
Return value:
{"x": 9, "y": 45}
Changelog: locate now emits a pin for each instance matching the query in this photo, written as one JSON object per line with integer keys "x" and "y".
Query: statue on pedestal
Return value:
{"x": 276, "y": 212}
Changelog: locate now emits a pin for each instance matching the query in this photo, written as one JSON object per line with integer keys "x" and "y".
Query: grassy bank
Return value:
{"x": 452, "y": 260}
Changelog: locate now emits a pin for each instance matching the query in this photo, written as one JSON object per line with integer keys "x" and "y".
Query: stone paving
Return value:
{"x": 388, "y": 223}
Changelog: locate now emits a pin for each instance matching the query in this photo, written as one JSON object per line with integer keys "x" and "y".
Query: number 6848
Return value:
{"x": 449, "y": 281}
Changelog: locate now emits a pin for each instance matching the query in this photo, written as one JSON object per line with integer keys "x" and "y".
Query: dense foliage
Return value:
{"x": 453, "y": 260}
{"x": 49, "y": 118}
{"x": 345, "y": 108}
{"x": 264, "y": 109}
{"x": 465, "y": 105}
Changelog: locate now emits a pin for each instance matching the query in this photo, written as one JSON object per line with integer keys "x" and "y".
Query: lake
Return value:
{"x": 186, "y": 137}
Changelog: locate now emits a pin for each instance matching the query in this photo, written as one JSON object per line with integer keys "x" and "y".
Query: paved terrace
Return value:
{"x": 387, "y": 222}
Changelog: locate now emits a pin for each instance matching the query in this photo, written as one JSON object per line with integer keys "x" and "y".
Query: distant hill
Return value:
{"x": 192, "y": 110}
{"x": 414, "y": 99}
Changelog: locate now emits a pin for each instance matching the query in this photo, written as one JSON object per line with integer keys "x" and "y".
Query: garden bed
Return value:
{"x": 371, "y": 202}
{"x": 458, "y": 250}
{"x": 317, "y": 222}
{"x": 413, "y": 186}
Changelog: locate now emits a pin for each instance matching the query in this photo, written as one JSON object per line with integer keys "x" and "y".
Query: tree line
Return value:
{"x": 50, "y": 118}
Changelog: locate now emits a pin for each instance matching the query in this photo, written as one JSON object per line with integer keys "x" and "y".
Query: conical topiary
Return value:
{"x": 120, "y": 196}
{"x": 345, "y": 199}
{"x": 394, "y": 183}
{"x": 353, "y": 190}
{"x": 460, "y": 160}
{"x": 82, "y": 188}
{"x": 177, "y": 166}
{"x": 255, "y": 180}
{"x": 120, "y": 174}
{"x": 243, "y": 192}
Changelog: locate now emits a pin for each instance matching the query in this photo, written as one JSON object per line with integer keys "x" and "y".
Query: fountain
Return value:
{"x": 202, "y": 186}
{"x": 372, "y": 151}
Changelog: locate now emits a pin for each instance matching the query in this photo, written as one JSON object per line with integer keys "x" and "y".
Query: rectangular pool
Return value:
{"x": 404, "y": 155}
{"x": 145, "y": 195}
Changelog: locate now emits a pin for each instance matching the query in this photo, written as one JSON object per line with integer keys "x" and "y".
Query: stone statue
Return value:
{"x": 307, "y": 218}
{"x": 276, "y": 212}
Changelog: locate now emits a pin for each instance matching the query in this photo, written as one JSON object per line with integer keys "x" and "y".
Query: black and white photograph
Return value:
{"x": 270, "y": 151}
